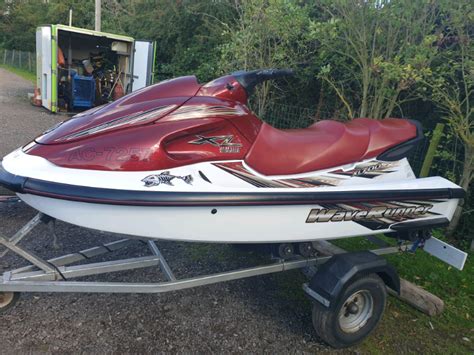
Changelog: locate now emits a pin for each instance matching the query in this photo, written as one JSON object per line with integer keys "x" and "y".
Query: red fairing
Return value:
{"x": 236, "y": 113}
{"x": 179, "y": 122}
{"x": 226, "y": 88}
{"x": 202, "y": 129}
{"x": 325, "y": 144}
{"x": 171, "y": 93}
{"x": 153, "y": 147}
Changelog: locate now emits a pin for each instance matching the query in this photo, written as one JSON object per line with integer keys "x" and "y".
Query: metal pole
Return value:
{"x": 70, "y": 17}
{"x": 27, "y": 228}
{"x": 97, "y": 14}
{"x": 163, "y": 264}
{"x": 32, "y": 258}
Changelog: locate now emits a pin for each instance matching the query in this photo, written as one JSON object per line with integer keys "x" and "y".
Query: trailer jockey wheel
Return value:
{"x": 357, "y": 312}
{"x": 8, "y": 300}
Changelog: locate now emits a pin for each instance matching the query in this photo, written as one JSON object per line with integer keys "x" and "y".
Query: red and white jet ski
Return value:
{"x": 183, "y": 161}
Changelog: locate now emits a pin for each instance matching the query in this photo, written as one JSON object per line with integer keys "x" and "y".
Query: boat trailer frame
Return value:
{"x": 54, "y": 275}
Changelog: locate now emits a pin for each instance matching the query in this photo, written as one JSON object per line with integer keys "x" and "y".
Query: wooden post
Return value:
{"x": 5, "y": 56}
{"x": 437, "y": 133}
{"x": 13, "y": 57}
{"x": 19, "y": 63}
{"x": 29, "y": 61}
{"x": 410, "y": 293}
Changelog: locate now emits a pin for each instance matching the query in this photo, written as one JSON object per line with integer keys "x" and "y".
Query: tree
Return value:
{"x": 19, "y": 19}
{"x": 450, "y": 84}
{"x": 265, "y": 34}
{"x": 186, "y": 33}
{"x": 374, "y": 51}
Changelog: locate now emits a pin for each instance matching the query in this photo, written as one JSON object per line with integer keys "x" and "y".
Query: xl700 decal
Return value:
{"x": 225, "y": 143}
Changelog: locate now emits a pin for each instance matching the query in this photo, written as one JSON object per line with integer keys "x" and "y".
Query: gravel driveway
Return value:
{"x": 262, "y": 314}
{"x": 20, "y": 122}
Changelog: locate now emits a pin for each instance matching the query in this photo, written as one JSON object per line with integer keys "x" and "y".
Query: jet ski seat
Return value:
{"x": 328, "y": 144}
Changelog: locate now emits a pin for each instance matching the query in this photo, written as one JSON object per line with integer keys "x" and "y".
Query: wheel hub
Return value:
{"x": 353, "y": 308}
{"x": 356, "y": 311}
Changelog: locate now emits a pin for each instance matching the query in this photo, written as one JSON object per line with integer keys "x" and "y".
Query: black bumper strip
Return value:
{"x": 421, "y": 224}
{"x": 160, "y": 198}
{"x": 10, "y": 181}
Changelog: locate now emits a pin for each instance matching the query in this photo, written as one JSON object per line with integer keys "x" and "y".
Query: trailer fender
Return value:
{"x": 339, "y": 271}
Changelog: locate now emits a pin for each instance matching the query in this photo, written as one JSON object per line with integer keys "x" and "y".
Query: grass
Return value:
{"x": 404, "y": 329}
{"x": 25, "y": 74}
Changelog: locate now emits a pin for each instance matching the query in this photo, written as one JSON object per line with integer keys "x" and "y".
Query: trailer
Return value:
{"x": 79, "y": 69}
{"x": 348, "y": 291}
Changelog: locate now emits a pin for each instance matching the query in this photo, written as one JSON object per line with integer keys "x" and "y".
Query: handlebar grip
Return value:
{"x": 268, "y": 74}
{"x": 250, "y": 79}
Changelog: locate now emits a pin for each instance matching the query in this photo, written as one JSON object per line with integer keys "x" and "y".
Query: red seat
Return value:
{"x": 325, "y": 144}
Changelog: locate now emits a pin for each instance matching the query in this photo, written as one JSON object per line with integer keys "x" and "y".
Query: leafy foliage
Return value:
{"x": 19, "y": 19}
{"x": 186, "y": 32}
{"x": 266, "y": 34}
{"x": 373, "y": 51}
{"x": 450, "y": 83}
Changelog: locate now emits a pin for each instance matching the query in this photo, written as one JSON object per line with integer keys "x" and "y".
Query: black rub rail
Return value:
{"x": 25, "y": 185}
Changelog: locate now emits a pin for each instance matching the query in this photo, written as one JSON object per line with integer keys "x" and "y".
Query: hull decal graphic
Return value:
{"x": 202, "y": 111}
{"x": 141, "y": 117}
{"x": 204, "y": 177}
{"x": 368, "y": 170}
{"x": 238, "y": 170}
{"x": 374, "y": 215}
{"x": 165, "y": 178}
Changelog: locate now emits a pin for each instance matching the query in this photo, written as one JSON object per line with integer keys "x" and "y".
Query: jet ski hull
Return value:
{"x": 207, "y": 203}
{"x": 245, "y": 224}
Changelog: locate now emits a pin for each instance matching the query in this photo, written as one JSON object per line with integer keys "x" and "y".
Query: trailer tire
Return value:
{"x": 8, "y": 300}
{"x": 357, "y": 312}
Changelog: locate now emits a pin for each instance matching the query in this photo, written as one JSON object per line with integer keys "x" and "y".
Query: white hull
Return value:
{"x": 249, "y": 224}
{"x": 356, "y": 211}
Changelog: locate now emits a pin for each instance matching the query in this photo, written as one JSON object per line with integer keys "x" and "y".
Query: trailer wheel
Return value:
{"x": 8, "y": 300}
{"x": 357, "y": 312}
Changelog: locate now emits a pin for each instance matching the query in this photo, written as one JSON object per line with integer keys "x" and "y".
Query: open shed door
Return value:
{"x": 44, "y": 65}
{"x": 143, "y": 64}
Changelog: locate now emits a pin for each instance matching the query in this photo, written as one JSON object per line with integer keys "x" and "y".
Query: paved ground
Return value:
{"x": 20, "y": 122}
{"x": 264, "y": 314}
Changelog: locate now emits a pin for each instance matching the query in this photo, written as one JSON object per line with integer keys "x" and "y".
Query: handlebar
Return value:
{"x": 250, "y": 79}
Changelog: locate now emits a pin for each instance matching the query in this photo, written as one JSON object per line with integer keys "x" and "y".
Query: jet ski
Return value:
{"x": 186, "y": 161}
